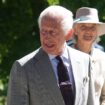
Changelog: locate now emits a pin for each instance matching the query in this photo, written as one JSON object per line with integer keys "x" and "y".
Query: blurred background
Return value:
{"x": 19, "y": 34}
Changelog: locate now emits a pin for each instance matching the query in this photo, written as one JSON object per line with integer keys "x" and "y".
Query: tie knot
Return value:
{"x": 58, "y": 58}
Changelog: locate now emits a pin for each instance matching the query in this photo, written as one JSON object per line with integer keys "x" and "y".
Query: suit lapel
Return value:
{"x": 76, "y": 65}
{"x": 48, "y": 77}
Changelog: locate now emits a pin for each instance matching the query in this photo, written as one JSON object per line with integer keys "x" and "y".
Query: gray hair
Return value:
{"x": 61, "y": 14}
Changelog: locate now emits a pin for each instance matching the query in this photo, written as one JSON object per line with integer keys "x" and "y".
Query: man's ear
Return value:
{"x": 69, "y": 34}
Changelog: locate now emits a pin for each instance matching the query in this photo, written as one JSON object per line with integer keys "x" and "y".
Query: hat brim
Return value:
{"x": 100, "y": 28}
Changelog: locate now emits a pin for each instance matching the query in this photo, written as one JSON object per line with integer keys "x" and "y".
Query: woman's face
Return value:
{"x": 86, "y": 32}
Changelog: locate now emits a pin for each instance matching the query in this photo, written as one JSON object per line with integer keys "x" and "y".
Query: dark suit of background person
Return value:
{"x": 33, "y": 79}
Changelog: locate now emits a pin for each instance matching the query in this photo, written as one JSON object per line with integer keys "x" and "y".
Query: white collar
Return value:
{"x": 63, "y": 55}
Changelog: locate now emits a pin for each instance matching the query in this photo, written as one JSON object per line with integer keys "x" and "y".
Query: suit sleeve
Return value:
{"x": 17, "y": 87}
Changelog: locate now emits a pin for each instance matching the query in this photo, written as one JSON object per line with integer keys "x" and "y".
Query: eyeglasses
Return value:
{"x": 50, "y": 33}
{"x": 92, "y": 28}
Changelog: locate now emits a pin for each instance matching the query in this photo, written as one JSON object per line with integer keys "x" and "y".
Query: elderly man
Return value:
{"x": 54, "y": 74}
{"x": 86, "y": 30}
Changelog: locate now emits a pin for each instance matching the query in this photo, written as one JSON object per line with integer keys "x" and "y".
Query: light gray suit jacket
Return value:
{"x": 33, "y": 82}
{"x": 98, "y": 72}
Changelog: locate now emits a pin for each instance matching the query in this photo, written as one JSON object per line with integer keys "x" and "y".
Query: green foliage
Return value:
{"x": 17, "y": 37}
{"x": 102, "y": 42}
{"x": 15, "y": 24}
{"x": 53, "y": 2}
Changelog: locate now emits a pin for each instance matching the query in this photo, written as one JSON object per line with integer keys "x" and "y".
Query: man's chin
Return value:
{"x": 49, "y": 51}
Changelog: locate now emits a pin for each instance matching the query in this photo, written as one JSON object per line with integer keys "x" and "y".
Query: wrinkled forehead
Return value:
{"x": 51, "y": 20}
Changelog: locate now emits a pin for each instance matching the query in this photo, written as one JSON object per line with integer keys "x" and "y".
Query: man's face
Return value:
{"x": 86, "y": 32}
{"x": 51, "y": 36}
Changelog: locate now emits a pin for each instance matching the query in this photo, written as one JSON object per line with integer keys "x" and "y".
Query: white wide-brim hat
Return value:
{"x": 90, "y": 15}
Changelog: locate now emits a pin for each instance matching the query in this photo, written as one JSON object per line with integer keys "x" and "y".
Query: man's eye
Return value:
{"x": 52, "y": 33}
{"x": 43, "y": 32}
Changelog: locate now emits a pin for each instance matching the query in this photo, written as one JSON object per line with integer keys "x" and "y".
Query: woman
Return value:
{"x": 86, "y": 30}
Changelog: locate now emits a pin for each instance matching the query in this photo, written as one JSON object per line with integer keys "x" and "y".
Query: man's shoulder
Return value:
{"x": 27, "y": 57}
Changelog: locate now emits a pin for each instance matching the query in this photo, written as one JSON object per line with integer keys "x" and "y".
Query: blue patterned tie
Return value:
{"x": 64, "y": 83}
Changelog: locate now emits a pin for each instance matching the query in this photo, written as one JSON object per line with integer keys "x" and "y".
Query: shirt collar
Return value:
{"x": 64, "y": 54}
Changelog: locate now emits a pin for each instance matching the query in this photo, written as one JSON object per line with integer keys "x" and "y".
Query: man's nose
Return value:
{"x": 48, "y": 35}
